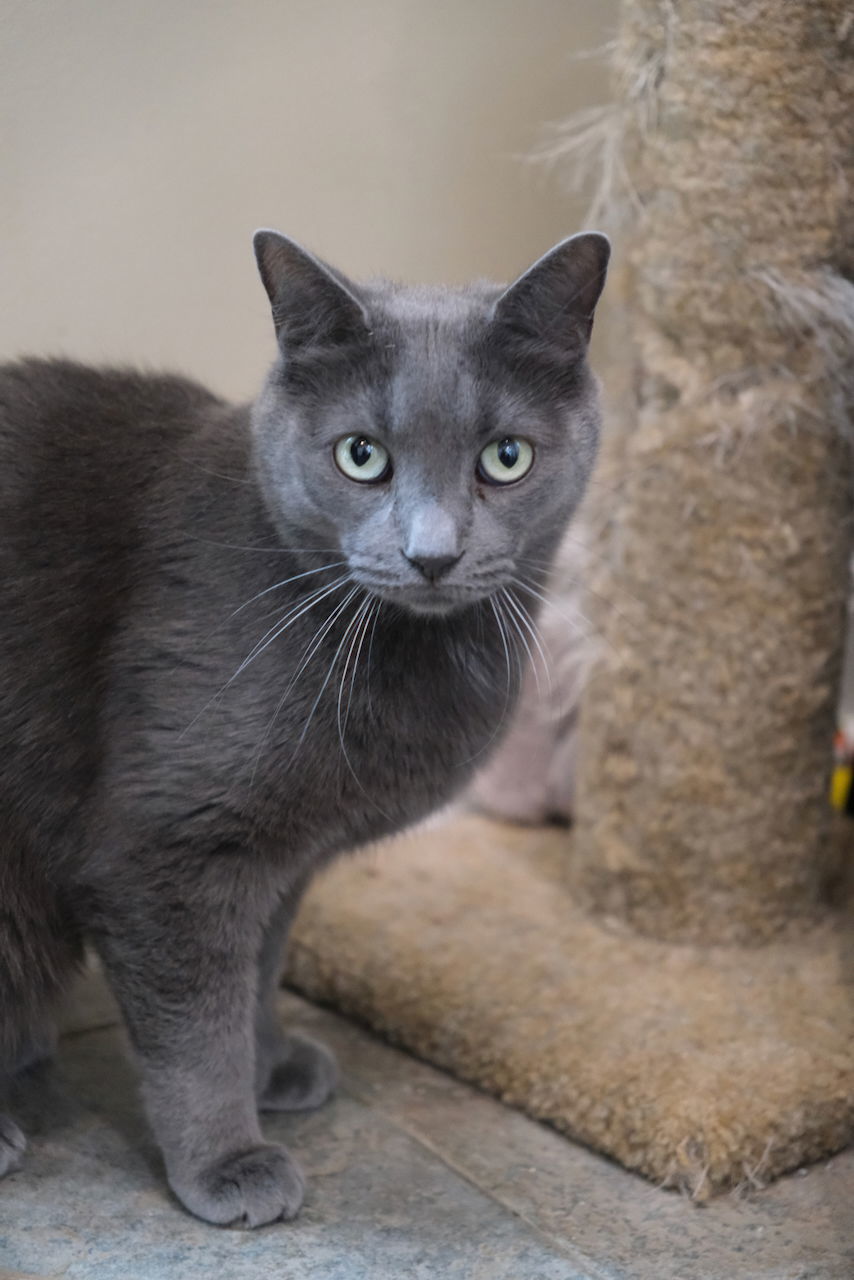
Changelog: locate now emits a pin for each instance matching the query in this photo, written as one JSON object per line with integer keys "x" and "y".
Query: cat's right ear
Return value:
{"x": 314, "y": 307}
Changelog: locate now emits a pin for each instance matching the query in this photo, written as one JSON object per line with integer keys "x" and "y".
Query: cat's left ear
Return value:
{"x": 313, "y": 305}
{"x": 555, "y": 299}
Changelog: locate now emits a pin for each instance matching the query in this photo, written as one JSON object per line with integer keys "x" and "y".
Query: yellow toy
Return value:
{"x": 841, "y": 789}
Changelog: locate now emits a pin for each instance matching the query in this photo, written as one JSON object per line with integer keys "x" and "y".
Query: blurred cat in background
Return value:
{"x": 531, "y": 777}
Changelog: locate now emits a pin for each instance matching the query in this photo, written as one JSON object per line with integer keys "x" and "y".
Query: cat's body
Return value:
{"x": 223, "y": 661}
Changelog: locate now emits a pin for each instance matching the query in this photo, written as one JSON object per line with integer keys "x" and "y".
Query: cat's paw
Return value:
{"x": 13, "y": 1144}
{"x": 250, "y": 1189}
{"x": 304, "y": 1075}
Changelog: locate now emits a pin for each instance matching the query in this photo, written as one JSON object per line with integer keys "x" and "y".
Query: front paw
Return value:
{"x": 248, "y": 1189}
{"x": 304, "y": 1075}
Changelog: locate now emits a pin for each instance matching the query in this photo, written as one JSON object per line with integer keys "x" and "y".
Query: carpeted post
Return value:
{"x": 707, "y": 731}
{"x": 702, "y": 797}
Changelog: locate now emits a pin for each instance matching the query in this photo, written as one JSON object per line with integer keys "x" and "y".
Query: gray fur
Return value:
{"x": 189, "y": 732}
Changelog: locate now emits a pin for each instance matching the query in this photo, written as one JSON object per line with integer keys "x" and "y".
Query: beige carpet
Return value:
{"x": 701, "y": 1068}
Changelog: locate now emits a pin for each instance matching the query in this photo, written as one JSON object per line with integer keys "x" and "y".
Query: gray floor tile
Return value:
{"x": 91, "y": 1203}
{"x": 799, "y": 1228}
{"x": 411, "y": 1174}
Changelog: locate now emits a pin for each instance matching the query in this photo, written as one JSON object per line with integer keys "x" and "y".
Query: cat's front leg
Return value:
{"x": 292, "y": 1072}
{"x": 37, "y": 1049}
{"x": 183, "y": 960}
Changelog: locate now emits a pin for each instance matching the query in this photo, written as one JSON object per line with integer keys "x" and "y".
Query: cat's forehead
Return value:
{"x": 430, "y": 334}
{"x": 417, "y": 310}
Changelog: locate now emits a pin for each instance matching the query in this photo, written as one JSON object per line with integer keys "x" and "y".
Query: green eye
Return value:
{"x": 507, "y": 460}
{"x": 361, "y": 458}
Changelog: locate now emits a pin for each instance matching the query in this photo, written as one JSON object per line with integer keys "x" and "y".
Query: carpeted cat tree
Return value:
{"x": 673, "y": 983}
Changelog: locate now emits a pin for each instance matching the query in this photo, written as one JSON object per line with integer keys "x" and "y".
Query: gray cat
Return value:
{"x": 237, "y": 641}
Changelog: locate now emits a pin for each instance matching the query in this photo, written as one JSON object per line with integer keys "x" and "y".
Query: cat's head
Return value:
{"x": 436, "y": 440}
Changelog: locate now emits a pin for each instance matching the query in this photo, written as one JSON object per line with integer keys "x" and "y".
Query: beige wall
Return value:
{"x": 142, "y": 142}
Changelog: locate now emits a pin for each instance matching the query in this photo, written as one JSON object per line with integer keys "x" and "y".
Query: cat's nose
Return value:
{"x": 433, "y": 567}
{"x": 432, "y": 541}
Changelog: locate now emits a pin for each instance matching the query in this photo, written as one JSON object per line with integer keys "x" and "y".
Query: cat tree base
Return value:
{"x": 702, "y": 1068}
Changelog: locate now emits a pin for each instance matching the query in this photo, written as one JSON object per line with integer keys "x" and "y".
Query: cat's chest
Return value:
{"x": 311, "y": 751}
{"x": 380, "y": 744}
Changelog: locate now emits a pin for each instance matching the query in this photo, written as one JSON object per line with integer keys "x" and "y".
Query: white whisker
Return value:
{"x": 290, "y": 616}
{"x": 379, "y": 604}
{"x": 360, "y": 627}
{"x": 369, "y": 612}
{"x": 545, "y": 567}
{"x": 326, "y": 680}
{"x": 505, "y": 641}
{"x": 513, "y": 618}
{"x": 355, "y": 624}
{"x": 278, "y": 549}
{"x": 573, "y": 621}
{"x": 336, "y": 564}
{"x": 316, "y": 641}
{"x": 495, "y": 605}
{"x": 550, "y": 602}
{"x": 307, "y": 654}
{"x": 279, "y": 627}
{"x": 531, "y": 627}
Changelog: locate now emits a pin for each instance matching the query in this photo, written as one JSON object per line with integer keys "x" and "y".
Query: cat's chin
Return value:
{"x": 430, "y": 603}
{"x": 432, "y": 608}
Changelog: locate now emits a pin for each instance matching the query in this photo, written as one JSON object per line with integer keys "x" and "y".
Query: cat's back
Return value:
{"x": 82, "y": 453}
{"x": 69, "y": 432}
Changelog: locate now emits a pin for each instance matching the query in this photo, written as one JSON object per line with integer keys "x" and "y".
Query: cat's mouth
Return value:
{"x": 430, "y": 599}
{"x": 433, "y": 600}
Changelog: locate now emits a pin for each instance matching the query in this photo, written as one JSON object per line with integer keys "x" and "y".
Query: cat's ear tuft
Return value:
{"x": 553, "y": 302}
{"x": 313, "y": 305}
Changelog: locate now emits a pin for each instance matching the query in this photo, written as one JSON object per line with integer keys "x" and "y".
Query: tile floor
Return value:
{"x": 411, "y": 1175}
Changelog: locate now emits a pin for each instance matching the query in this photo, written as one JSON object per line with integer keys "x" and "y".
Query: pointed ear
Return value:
{"x": 554, "y": 301}
{"x": 314, "y": 307}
